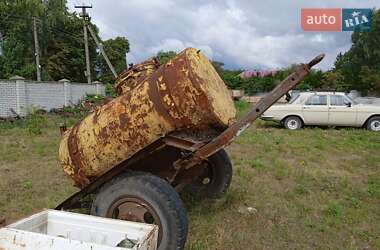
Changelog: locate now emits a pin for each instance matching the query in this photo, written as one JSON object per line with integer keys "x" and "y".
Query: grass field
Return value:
{"x": 315, "y": 188}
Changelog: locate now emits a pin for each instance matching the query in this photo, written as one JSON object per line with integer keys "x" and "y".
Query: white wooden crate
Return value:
{"x": 58, "y": 230}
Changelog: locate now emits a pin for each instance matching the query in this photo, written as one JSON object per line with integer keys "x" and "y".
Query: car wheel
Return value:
{"x": 142, "y": 197}
{"x": 373, "y": 124}
{"x": 293, "y": 123}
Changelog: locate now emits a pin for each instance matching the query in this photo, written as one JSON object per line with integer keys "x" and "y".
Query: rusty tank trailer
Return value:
{"x": 164, "y": 133}
{"x": 185, "y": 93}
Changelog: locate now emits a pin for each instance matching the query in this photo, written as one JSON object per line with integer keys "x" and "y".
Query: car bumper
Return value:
{"x": 267, "y": 118}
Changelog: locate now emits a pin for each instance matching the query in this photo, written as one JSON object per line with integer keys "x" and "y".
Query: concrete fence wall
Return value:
{"x": 18, "y": 95}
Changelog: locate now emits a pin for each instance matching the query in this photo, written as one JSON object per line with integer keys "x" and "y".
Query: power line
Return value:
{"x": 86, "y": 27}
{"x": 72, "y": 35}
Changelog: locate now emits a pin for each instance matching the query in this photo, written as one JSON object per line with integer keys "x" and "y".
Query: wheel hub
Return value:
{"x": 375, "y": 125}
{"x": 292, "y": 124}
{"x": 136, "y": 210}
{"x": 206, "y": 177}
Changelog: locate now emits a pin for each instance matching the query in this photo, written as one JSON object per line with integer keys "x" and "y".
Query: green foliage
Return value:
{"x": 76, "y": 111}
{"x": 28, "y": 185}
{"x": 94, "y": 98}
{"x": 374, "y": 187}
{"x": 334, "y": 80}
{"x": 165, "y": 56}
{"x": 15, "y": 27}
{"x": 35, "y": 122}
{"x": 256, "y": 85}
{"x": 60, "y": 34}
{"x": 312, "y": 81}
{"x": 360, "y": 66}
{"x": 218, "y": 66}
{"x": 116, "y": 50}
{"x": 83, "y": 108}
{"x": 197, "y": 245}
{"x": 242, "y": 107}
{"x": 301, "y": 189}
{"x": 334, "y": 210}
{"x": 231, "y": 78}
{"x": 62, "y": 46}
{"x": 110, "y": 91}
{"x": 257, "y": 164}
{"x": 370, "y": 79}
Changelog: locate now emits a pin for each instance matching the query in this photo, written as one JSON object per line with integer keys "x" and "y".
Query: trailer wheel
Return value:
{"x": 146, "y": 198}
{"x": 216, "y": 177}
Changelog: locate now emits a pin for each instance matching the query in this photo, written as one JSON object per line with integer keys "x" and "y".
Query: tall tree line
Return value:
{"x": 359, "y": 67}
{"x": 60, "y": 35}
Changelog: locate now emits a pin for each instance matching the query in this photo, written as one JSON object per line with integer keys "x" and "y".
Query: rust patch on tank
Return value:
{"x": 76, "y": 156}
{"x": 124, "y": 121}
{"x": 178, "y": 91}
{"x": 132, "y": 77}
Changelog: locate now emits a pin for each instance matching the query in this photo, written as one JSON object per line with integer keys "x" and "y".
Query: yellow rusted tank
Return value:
{"x": 185, "y": 93}
{"x": 130, "y": 78}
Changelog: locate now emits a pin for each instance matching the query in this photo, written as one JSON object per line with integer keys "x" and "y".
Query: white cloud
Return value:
{"x": 242, "y": 34}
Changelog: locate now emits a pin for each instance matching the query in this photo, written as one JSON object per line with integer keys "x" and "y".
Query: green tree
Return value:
{"x": 370, "y": 79}
{"x": 333, "y": 80}
{"x": 360, "y": 66}
{"x": 116, "y": 50}
{"x": 17, "y": 56}
{"x": 61, "y": 42}
{"x": 165, "y": 56}
{"x": 313, "y": 81}
{"x": 218, "y": 66}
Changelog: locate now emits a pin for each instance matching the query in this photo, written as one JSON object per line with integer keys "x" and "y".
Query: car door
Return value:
{"x": 341, "y": 111}
{"x": 315, "y": 110}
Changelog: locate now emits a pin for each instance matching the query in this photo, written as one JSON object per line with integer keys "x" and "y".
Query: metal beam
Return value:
{"x": 101, "y": 48}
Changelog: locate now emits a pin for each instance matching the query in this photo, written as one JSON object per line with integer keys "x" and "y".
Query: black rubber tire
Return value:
{"x": 296, "y": 121}
{"x": 219, "y": 179}
{"x": 158, "y": 194}
{"x": 370, "y": 123}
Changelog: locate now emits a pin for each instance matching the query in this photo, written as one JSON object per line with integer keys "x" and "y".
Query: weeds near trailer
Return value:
{"x": 33, "y": 123}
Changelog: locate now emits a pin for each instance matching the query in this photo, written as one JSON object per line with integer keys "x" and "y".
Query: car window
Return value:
{"x": 294, "y": 99}
{"x": 317, "y": 100}
{"x": 349, "y": 99}
{"x": 336, "y": 100}
{"x": 339, "y": 100}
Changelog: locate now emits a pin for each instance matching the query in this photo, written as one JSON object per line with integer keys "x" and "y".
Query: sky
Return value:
{"x": 244, "y": 34}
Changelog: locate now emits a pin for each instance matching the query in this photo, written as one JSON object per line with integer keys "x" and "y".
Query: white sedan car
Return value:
{"x": 325, "y": 109}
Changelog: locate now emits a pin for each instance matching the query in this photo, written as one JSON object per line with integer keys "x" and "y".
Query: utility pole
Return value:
{"x": 101, "y": 48}
{"x": 85, "y": 17}
{"x": 37, "y": 50}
